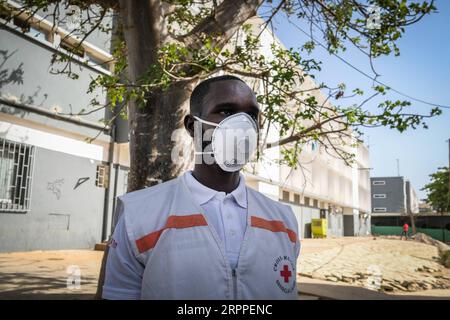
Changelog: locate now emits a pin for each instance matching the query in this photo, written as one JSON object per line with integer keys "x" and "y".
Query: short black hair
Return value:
{"x": 200, "y": 91}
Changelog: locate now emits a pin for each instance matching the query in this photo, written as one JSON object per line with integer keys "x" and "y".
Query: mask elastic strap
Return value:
{"x": 206, "y": 122}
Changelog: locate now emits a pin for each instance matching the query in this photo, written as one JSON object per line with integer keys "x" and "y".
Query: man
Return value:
{"x": 205, "y": 235}
{"x": 405, "y": 231}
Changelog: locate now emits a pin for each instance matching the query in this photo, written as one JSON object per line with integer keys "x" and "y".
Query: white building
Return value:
{"x": 59, "y": 191}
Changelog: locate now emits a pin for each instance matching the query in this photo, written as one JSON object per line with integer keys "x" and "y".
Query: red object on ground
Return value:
{"x": 405, "y": 227}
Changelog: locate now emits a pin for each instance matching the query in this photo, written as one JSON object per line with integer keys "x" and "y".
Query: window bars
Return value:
{"x": 16, "y": 171}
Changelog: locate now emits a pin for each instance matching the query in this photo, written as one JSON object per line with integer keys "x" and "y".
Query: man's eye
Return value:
{"x": 225, "y": 113}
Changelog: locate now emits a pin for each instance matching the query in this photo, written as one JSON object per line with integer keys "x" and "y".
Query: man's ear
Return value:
{"x": 189, "y": 124}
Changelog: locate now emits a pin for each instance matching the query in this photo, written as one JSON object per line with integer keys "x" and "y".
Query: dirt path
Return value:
{"x": 339, "y": 267}
{"x": 391, "y": 265}
{"x": 44, "y": 274}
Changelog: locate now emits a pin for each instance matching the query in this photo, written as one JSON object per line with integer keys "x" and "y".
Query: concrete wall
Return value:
{"x": 304, "y": 216}
{"x": 412, "y": 201}
{"x": 63, "y": 215}
{"x": 29, "y": 81}
{"x": 335, "y": 224}
{"x": 394, "y": 189}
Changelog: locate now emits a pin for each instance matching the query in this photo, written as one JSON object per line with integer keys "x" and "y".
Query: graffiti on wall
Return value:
{"x": 55, "y": 186}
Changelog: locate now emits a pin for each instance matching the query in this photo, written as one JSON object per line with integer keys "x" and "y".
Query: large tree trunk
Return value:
{"x": 413, "y": 222}
{"x": 153, "y": 128}
{"x": 153, "y": 136}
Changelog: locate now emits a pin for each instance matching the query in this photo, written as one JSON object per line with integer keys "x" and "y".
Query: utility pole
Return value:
{"x": 398, "y": 167}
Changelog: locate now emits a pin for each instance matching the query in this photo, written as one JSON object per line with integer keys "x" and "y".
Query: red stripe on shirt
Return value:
{"x": 149, "y": 241}
{"x": 274, "y": 226}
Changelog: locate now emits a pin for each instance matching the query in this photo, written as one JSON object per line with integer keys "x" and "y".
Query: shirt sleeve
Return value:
{"x": 123, "y": 276}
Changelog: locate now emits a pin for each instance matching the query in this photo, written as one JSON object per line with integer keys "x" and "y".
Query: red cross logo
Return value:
{"x": 285, "y": 273}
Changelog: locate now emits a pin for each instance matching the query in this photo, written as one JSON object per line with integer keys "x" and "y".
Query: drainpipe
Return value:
{"x": 108, "y": 188}
{"x": 113, "y": 215}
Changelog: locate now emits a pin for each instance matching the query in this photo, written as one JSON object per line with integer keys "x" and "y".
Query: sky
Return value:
{"x": 422, "y": 71}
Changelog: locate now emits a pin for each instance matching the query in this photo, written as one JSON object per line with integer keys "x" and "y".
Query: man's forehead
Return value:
{"x": 229, "y": 91}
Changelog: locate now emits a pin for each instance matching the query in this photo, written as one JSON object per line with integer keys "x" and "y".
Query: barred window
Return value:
{"x": 315, "y": 203}
{"x": 101, "y": 178}
{"x": 306, "y": 199}
{"x": 285, "y": 195}
{"x": 16, "y": 171}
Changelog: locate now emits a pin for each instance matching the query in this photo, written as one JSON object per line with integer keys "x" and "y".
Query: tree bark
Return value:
{"x": 152, "y": 126}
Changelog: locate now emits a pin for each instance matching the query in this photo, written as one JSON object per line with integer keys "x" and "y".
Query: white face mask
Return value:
{"x": 234, "y": 141}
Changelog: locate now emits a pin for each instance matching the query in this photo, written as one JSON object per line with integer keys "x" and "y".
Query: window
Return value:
{"x": 285, "y": 195}
{"x": 38, "y": 34}
{"x": 378, "y": 182}
{"x": 379, "y": 196}
{"x": 22, "y": 24}
{"x": 75, "y": 49}
{"x": 379, "y": 209}
{"x": 306, "y": 201}
{"x": 16, "y": 171}
{"x": 96, "y": 61}
{"x": 323, "y": 214}
{"x": 315, "y": 203}
{"x": 5, "y": 15}
{"x": 101, "y": 179}
{"x": 296, "y": 198}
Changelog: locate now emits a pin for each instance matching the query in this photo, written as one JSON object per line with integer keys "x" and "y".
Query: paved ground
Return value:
{"x": 329, "y": 268}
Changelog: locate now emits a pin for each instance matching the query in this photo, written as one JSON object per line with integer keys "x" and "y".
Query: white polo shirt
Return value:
{"x": 226, "y": 212}
{"x": 165, "y": 246}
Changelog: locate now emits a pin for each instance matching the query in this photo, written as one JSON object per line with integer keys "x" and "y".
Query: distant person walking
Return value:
{"x": 405, "y": 231}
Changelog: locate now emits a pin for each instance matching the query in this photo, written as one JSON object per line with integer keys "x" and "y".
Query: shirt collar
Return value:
{"x": 203, "y": 194}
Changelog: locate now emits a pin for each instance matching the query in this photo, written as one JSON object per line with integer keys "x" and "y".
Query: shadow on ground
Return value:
{"x": 25, "y": 286}
{"x": 322, "y": 290}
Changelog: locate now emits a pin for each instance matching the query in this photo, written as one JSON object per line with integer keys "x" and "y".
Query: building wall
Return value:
{"x": 412, "y": 201}
{"x": 63, "y": 215}
{"x": 322, "y": 181}
{"x": 33, "y": 84}
{"x": 66, "y": 209}
{"x": 394, "y": 190}
{"x": 304, "y": 217}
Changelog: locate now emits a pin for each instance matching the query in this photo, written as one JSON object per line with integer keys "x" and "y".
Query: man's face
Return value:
{"x": 229, "y": 97}
{"x": 224, "y": 98}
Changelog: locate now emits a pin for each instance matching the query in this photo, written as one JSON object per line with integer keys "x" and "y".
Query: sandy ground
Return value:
{"x": 388, "y": 265}
{"x": 337, "y": 268}
{"x": 45, "y": 274}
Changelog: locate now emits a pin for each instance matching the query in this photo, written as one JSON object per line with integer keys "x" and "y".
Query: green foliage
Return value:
{"x": 437, "y": 190}
{"x": 301, "y": 114}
